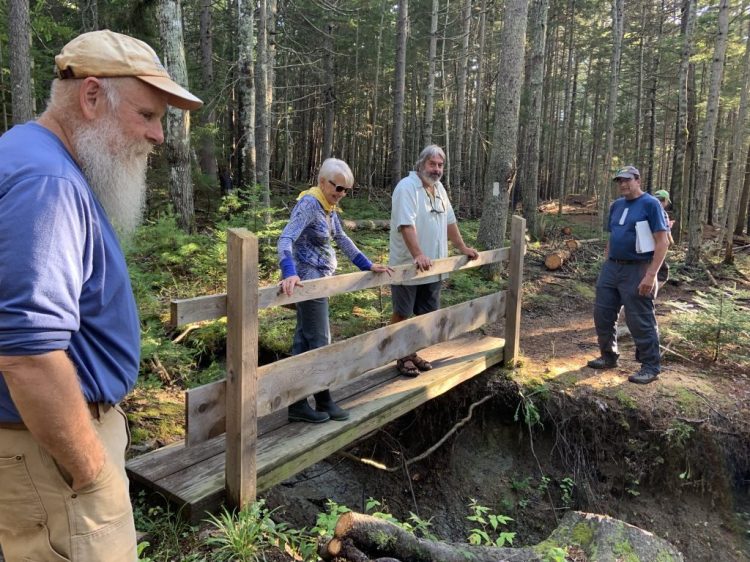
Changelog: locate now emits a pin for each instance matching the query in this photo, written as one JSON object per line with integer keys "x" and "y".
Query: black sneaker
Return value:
{"x": 643, "y": 377}
{"x": 302, "y": 412}
{"x": 603, "y": 363}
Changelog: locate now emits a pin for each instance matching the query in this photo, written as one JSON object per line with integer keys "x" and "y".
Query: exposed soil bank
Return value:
{"x": 586, "y": 452}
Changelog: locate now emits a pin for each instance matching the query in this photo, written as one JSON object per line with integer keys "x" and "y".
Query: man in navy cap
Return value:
{"x": 635, "y": 251}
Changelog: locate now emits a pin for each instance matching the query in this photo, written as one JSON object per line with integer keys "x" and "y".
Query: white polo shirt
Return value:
{"x": 412, "y": 205}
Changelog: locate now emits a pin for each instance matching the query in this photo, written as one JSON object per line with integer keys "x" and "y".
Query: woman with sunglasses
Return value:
{"x": 305, "y": 252}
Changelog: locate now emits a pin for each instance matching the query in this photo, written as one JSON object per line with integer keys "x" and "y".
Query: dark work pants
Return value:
{"x": 617, "y": 287}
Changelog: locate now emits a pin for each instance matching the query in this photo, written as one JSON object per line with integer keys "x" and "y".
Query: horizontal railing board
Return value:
{"x": 210, "y": 307}
{"x": 287, "y": 450}
{"x": 293, "y": 378}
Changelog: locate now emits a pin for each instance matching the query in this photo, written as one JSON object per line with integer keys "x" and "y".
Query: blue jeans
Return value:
{"x": 313, "y": 330}
{"x": 617, "y": 287}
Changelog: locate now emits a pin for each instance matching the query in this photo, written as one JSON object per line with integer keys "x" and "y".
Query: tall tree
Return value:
{"x": 246, "y": 90}
{"x": 475, "y": 177}
{"x": 207, "y": 147}
{"x": 739, "y": 148}
{"x": 329, "y": 92}
{"x": 178, "y": 121}
{"x": 501, "y": 174}
{"x": 90, "y": 15}
{"x": 533, "y": 94}
{"x": 19, "y": 43}
{"x": 263, "y": 110}
{"x": 429, "y": 94}
{"x": 399, "y": 88}
{"x": 605, "y": 190}
{"x": 705, "y": 158}
{"x": 677, "y": 185}
{"x": 463, "y": 64}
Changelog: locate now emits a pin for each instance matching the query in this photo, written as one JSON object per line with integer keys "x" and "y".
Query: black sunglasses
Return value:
{"x": 340, "y": 188}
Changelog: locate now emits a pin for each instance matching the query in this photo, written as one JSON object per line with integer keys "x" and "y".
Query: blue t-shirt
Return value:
{"x": 64, "y": 284}
{"x": 623, "y": 214}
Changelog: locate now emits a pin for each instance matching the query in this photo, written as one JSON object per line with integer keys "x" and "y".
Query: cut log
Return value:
{"x": 572, "y": 244}
{"x": 566, "y": 230}
{"x": 556, "y": 259}
{"x": 366, "y": 224}
{"x": 597, "y": 537}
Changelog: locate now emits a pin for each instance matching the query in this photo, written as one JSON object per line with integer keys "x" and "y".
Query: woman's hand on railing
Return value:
{"x": 379, "y": 268}
{"x": 287, "y": 285}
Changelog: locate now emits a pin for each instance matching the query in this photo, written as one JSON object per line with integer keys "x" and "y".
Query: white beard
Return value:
{"x": 115, "y": 168}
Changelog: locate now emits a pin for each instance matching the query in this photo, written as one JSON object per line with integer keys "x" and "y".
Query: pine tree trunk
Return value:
{"x": 262, "y": 112}
{"x": 329, "y": 95}
{"x": 739, "y": 147}
{"x": 374, "y": 110}
{"x": 3, "y": 103}
{"x": 19, "y": 45}
{"x": 502, "y": 167}
{"x": 207, "y": 147}
{"x": 677, "y": 186}
{"x": 178, "y": 121}
{"x": 605, "y": 193}
{"x": 429, "y": 94}
{"x": 463, "y": 63}
{"x": 246, "y": 89}
{"x": 741, "y": 217}
{"x": 534, "y": 81}
{"x": 476, "y": 159}
{"x": 399, "y": 90}
{"x": 698, "y": 200}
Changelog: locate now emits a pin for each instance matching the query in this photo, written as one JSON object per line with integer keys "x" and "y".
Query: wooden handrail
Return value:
{"x": 185, "y": 311}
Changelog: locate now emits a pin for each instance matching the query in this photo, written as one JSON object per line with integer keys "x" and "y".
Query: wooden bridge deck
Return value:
{"x": 194, "y": 477}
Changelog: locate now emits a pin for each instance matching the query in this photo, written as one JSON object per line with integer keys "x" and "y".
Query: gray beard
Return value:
{"x": 116, "y": 171}
{"x": 430, "y": 180}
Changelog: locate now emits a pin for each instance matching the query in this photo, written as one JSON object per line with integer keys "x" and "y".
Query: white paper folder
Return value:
{"x": 644, "y": 238}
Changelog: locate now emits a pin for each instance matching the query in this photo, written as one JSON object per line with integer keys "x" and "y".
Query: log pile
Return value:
{"x": 557, "y": 258}
{"x": 363, "y": 538}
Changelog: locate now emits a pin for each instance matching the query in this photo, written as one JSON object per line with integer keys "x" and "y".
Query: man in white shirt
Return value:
{"x": 422, "y": 222}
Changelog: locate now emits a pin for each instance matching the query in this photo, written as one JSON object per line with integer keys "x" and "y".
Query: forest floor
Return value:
{"x": 672, "y": 457}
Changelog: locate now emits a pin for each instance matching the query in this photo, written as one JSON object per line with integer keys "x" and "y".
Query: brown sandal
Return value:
{"x": 406, "y": 367}
{"x": 421, "y": 364}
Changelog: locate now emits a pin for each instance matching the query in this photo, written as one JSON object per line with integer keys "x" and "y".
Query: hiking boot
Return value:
{"x": 301, "y": 411}
{"x": 603, "y": 362}
{"x": 324, "y": 403}
{"x": 643, "y": 377}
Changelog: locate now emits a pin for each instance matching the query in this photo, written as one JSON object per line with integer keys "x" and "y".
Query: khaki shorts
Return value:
{"x": 43, "y": 520}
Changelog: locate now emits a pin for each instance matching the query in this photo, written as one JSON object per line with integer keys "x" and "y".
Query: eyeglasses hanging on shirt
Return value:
{"x": 436, "y": 203}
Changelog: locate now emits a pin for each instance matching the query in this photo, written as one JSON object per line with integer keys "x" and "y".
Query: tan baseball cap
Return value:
{"x": 106, "y": 54}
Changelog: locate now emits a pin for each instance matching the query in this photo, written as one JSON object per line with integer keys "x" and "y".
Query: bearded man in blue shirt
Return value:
{"x": 70, "y": 184}
{"x": 628, "y": 276}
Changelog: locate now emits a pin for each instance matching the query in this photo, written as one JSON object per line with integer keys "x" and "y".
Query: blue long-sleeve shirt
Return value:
{"x": 304, "y": 247}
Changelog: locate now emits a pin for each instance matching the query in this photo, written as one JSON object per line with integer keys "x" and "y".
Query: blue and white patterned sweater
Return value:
{"x": 305, "y": 248}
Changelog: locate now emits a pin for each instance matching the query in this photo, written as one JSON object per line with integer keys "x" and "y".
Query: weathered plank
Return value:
{"x": 242, "y": 366}
{"x": 185, "y": 311}
{"x": 285, "y": 381}
{"x": 515, "y": 286}
{"x": 289, "y": 449}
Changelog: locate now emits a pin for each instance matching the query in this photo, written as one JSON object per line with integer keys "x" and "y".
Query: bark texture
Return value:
{"x": 19, "y": 46}
{"x": 178, "y": 121}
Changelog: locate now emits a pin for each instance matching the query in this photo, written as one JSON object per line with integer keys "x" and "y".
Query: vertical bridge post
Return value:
{"x": 515, "y": 286}
{"x": 242, "y": 366}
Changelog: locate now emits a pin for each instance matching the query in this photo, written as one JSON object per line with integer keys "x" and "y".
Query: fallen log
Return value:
{"x": 599, "y": 537}
{"x": 366, "y": 224}
{"x": 572, "y": 244}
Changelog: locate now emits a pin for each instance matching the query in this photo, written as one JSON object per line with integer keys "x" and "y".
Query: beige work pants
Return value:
{"x": 43, "y": 520}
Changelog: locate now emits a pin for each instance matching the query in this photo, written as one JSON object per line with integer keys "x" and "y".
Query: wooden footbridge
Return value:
{"x": 238, "y": 441}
